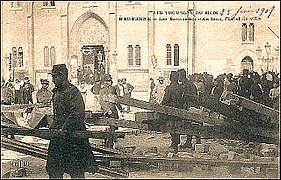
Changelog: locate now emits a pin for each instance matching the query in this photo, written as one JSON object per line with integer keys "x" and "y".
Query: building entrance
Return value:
{"x": 93, "y": 63}
{"x": 247, "y": 63}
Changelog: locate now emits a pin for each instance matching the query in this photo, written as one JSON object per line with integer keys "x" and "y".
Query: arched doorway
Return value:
{"x": 247, "y": 63}
{"x": 89, "y": 40}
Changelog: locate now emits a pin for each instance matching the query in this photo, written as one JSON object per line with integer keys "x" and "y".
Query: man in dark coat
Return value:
{"x": 44, "y": 95}
{"x": 27, "y": 90}
{"x": 67, "y": 154}
{"x": 245, "y": 83}
{"x": 189, "y": 95}
{"x": 173, "y": 99}
{"x": 109, "y": 109}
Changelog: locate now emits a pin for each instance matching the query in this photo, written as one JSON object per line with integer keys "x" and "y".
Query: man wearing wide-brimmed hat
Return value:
{"x": 67, "y": 154}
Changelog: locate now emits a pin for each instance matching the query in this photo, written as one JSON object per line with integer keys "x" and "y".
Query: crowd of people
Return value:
{"x": 179, "y": 92}
{"x": 262, "y": 88}
{"x": 182, "y": 92}
{"x": 20, "y": 92}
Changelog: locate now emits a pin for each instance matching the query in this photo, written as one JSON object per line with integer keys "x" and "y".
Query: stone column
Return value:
{"x": 194, "y": 24}
{"x": 151, "y": 37}
{"x": 112, "y": 54}
{"x": 64, "y": 34}
{"x": 30, "y": 36}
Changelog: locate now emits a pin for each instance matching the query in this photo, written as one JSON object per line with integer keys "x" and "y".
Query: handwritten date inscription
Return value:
{"x": 231, "y": 14}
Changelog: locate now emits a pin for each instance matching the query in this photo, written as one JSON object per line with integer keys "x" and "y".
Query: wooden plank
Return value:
{"x": 16, "y": 107}
{"x": 227, "y": 130}
{"x": 36, "y": 118}
{"x": 119, "y": 123}
{"x": 235, "y": 131}
{"x": 9, "y": 118}
{"x": 259, "y": 108}
{"x": 182, "y": 113}
{"x": 28, "y": 149}
{"x": 230, "y": 130}
{"x": 105, "y": 150}
{"x": 48, "y": 134}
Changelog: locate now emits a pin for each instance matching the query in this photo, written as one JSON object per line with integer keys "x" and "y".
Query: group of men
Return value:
{"x": 18, "y": 92}
{"x": 21, "y": 92}
{"x": 105, "y": 88}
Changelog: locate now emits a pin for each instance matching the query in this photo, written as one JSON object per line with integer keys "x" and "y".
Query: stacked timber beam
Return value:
{"x": 245, "y": 125}
{"x": 50, "y": 133}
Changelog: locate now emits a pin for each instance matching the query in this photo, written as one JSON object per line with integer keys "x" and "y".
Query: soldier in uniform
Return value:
{"x": 27, "y": 90}
{"x": 44, "y": 95}
{"x": 67, "y": 154}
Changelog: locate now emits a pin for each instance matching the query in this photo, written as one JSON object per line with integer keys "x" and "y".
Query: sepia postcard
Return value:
{"x": 153, "y": 89}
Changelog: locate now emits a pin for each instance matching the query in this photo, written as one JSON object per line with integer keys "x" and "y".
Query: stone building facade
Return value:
{"x": 107, "y": 37}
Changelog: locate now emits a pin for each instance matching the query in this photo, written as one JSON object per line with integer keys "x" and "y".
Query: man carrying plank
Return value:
{"x": 68, "y": 154}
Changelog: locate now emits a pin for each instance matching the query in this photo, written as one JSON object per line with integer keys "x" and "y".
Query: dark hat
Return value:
{"x": 160, "y": 78}
{"x": 181, "y": 74}
{"x": 173, "y": 76}
{"x": 44, "y": 81}
{"x": 59, "y": 69}
{"x": 107, "y": 77}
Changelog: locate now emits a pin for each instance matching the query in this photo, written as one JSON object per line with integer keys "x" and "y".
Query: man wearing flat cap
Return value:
{"x": 44, "y": 95}
{"x": 68, "y": 154}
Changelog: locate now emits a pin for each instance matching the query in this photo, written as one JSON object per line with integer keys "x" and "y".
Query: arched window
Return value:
{"x": 53, "y": 55}
{"x": 15, "y": 4}
{"x": 46, "y": 56}
{"x": 52, "y": 3}
{"x": 130, "y": 55}
{"x": 45, "y": 3}
{"x": 251, "y": 32}
{"x": 49, "y": 3}
{"x": 169, "y": 54}
{"x": 244, "y": 32}
{"x": 10, "y": 62}
{"x": 20, "y": 57}
{"x": 176, "y": 55}
{"x": 138, "y": 55}
{"x": 14, "y": 57}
